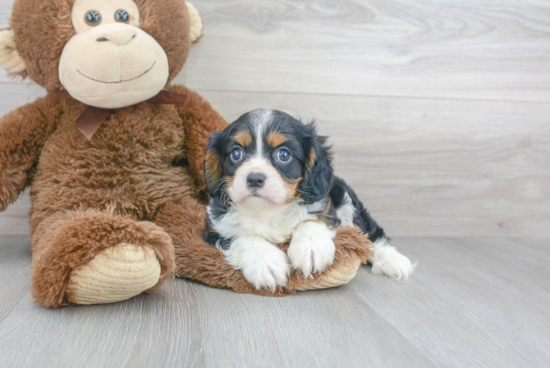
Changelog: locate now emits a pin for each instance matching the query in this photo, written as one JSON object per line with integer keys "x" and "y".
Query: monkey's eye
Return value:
{"x": 284, "y": 155}
{"x": 92, "y": 18}
{"x": 237, "y": 155}
{"x": 122, "y": 16}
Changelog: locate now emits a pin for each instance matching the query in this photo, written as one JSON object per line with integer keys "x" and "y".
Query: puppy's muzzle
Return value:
{"x": 255, "y": 180}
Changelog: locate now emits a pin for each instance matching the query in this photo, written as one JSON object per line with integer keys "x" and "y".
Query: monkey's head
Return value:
{"x": 105, "y": 53}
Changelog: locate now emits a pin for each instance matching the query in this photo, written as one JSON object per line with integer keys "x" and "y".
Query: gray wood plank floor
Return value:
{"x": 439, "y": 115}
{"x": 472, "y": 302}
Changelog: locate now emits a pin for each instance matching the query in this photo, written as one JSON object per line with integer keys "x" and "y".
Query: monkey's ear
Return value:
{"x": 9, "y": 58}
{"x": 196, "y": 22}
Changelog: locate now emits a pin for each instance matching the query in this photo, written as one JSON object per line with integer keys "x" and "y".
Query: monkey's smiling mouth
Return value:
{"x": 120, "y": 81}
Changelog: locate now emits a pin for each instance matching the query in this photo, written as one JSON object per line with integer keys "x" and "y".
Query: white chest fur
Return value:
{"x": 273, "y": 224}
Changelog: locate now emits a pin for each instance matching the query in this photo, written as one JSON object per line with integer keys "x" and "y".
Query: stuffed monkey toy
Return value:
{"x": 113, "y": 154}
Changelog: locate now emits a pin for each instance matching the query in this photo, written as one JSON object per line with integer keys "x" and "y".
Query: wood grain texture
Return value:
{"x": 433, "y": 167}
{"x": 438, "y": 113}
{"x": 15, "y": 256}
{"x": 464, "y": 152}
{"x": 440, "y": 49}
{"x": 471, "y": 302}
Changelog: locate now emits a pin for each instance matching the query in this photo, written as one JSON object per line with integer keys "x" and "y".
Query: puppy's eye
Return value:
{"x": 122, "y": 16}
{"x": 284, "y": 155}
{"x": 92, "y": 18}
{"x": 237, "y": 155}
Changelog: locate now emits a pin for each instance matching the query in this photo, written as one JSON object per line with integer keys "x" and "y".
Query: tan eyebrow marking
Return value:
{"x": 276, "y": 138}
{"x": 243, "y": 138}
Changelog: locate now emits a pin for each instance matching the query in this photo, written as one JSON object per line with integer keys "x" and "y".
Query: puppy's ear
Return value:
{"x": 318, "y": 172}
{"x": 213, "y": 163}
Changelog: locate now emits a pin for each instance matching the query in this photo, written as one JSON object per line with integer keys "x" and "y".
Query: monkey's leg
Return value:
{"x": 91, "y": 257}
{"x": 196, "y": 259}
{"x": 199, "y": 261}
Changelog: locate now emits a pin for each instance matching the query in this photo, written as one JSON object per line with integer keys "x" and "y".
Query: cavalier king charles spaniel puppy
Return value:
{"x": 270, "y": 179}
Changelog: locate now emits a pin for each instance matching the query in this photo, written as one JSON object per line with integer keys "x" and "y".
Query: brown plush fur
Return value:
{"x": 68, "y": 240}
{"x": 143, "y": 165}
{"x": 199, "y": 261}
{"x": 137, "y": 162}
{"x": 23, "y": 134}
{"x": 200, "y": 120}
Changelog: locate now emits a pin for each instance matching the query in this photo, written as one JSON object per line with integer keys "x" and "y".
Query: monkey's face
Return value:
{"x": 110, "y": 62}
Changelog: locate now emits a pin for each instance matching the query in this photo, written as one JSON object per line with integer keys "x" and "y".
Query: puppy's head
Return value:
{"x": 268, "y": 158}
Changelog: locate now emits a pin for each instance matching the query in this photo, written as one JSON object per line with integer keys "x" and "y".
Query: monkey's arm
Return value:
{"x": 23, "y": 133}
{"x": 200, "y": 120}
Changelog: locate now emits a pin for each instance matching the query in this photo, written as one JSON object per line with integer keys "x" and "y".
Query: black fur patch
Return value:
{"x": 311, "y": 162}
{"x": 362, "y": 217}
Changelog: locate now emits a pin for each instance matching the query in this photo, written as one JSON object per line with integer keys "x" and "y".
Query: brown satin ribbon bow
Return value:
{"x": 92, "y": 118}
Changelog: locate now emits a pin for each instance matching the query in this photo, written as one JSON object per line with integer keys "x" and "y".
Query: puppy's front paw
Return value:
{"x": 268, "y": 273}
{"x": 389, "y": 262}
{"x": 312, "y": 248}
{"x": 263, "y": 265}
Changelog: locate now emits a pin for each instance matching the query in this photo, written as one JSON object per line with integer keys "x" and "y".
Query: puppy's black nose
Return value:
{"x": 255, "y": 180}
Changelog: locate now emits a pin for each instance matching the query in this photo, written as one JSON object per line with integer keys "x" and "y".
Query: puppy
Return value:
{"x": 270, "y": 179}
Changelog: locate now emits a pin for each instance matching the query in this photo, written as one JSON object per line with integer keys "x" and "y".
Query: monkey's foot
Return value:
{"x": 116, "y": 274}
